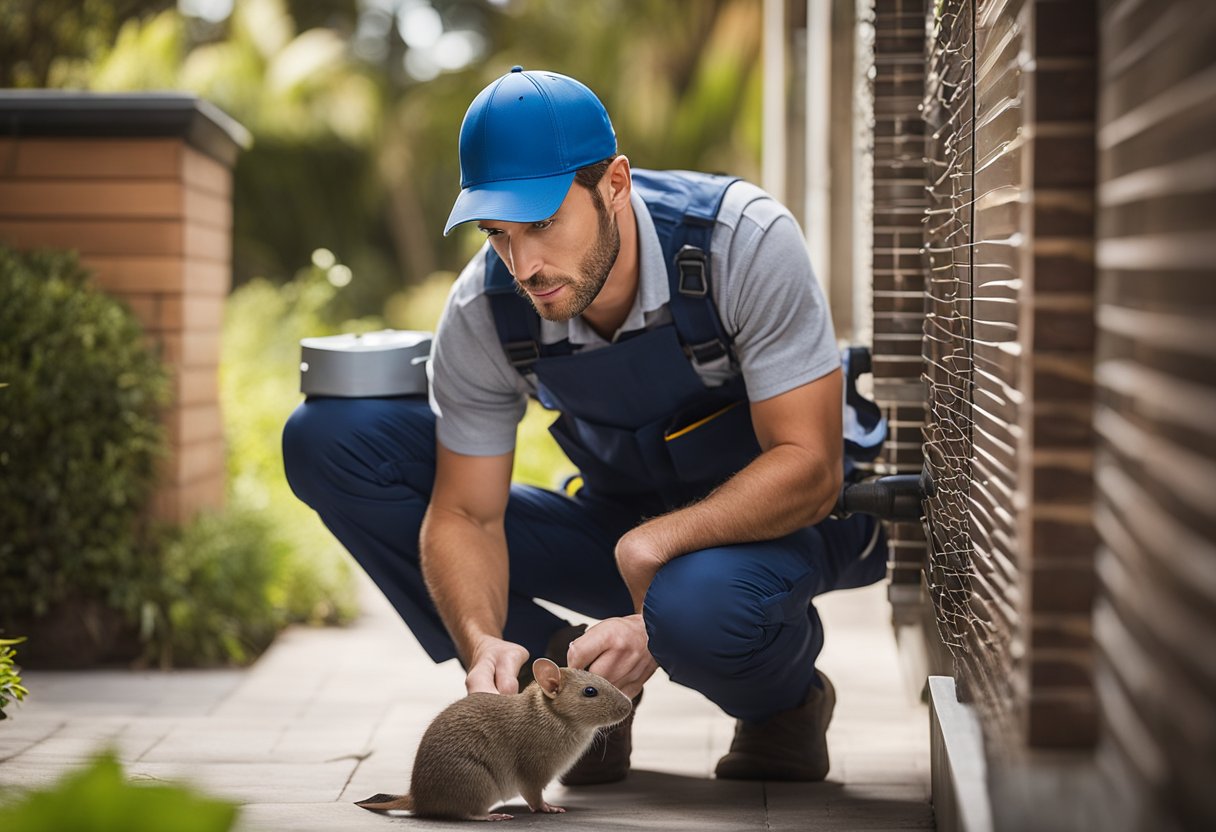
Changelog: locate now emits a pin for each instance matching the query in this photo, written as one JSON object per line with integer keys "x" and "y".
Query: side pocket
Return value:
{"x": 713, "y": 447}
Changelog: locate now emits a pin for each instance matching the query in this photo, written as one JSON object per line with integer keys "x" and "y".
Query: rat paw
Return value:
{"x": 548, "y": 809}
{"x": 495, "y": 816}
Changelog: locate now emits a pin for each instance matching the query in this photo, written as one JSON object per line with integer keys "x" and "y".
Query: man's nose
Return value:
{"x": 525, "y": 259}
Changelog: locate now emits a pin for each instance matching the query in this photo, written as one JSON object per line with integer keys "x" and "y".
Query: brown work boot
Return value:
{"x": 789, "y": 746}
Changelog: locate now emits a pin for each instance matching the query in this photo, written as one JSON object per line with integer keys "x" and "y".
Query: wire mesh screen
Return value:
{"x": 949, "y": 116}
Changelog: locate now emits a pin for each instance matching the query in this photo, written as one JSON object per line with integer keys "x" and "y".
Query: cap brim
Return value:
{"x": 514, "y": 200}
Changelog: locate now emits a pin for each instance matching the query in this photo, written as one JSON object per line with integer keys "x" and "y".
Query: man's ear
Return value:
{"x": 620, "y": 185}
{"x": 548, "y": 676}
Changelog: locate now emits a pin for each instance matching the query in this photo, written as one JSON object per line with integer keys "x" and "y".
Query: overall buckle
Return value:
{"x": 522, "y": 353}
{"x": 706, "y": 352}
{"x": 692, "y": 264}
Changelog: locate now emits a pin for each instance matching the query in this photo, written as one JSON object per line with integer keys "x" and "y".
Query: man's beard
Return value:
{"x": 594, "y": 269}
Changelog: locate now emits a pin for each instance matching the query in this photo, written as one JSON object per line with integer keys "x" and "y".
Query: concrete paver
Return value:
{"x": 330, "y": 716}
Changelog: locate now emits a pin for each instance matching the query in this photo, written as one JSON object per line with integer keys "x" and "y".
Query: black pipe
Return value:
{"x": 896, "y": 497}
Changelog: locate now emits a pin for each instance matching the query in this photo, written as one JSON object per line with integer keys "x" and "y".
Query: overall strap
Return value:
{"x": 684, "y": 206}
{"x": 516, "y": 321}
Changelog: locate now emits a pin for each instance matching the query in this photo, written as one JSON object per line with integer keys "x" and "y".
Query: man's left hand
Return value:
{"x": 617, "y": 649}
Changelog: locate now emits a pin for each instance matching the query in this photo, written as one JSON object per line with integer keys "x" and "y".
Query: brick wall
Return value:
{"x": 153, "y": 218}
{"x": 898, "y": 263}
{"x": 1056, "y": 419}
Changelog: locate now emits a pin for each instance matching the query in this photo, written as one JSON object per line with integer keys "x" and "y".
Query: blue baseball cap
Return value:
{"x": 522, "y": 140}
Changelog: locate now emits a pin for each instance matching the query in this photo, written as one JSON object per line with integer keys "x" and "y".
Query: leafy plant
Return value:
{"x": 212, "y": 601}
{"x": 10, "y": 680}
{"x": 98, "y": 798}
{"x": 80, "y": 437}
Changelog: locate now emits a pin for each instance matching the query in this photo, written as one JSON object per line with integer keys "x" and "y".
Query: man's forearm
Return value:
{"x": 465, "y": 567}
{"x": 782, "y": 490}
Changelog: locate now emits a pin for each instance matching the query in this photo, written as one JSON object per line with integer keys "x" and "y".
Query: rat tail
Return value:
{"x": 387, "y": 802}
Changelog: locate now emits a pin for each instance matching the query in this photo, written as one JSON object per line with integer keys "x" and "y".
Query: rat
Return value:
{"x": 488, "y": 747}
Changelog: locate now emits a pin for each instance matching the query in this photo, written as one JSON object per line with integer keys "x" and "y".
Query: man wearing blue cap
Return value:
{"x": 673, "y": 321}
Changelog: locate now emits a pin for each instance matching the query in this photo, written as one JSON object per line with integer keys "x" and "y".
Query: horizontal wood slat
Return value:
{"x": 69, "y": 199}
{"x": 124, "y": 159}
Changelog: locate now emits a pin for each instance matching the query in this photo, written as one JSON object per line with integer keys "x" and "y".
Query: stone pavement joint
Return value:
{"x": 296, "y": 739}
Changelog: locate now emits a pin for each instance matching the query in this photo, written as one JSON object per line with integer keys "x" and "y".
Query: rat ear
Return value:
{"x": 548, "y": 676}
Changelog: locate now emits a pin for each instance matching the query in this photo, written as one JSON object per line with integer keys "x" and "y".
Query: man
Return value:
{"x": 673, "y": 320}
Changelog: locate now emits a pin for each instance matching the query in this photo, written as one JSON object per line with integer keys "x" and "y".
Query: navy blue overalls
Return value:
{"x": 647, "y": 435}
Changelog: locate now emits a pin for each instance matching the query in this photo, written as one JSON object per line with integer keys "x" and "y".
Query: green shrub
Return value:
{"x": 80, "y": 437}
{"x": 10, "y": 680}
{"x": 98, "y": 798}
{"x": 212, "y": 600}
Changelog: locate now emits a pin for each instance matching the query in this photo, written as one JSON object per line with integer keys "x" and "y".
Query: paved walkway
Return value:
{"x": 330, "y": 716}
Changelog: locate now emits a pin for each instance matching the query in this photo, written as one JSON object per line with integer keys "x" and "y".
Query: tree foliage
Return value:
{"x": 39, "y": 37}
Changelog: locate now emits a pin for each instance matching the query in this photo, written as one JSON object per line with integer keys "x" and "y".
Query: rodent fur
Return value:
{"x": 487, "y": 747}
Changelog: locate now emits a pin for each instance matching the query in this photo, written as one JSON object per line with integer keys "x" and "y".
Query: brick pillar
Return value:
{"x": 1057, "y": 322}
{"x": 899, "y": 269}
{"x": 141, "y": 187}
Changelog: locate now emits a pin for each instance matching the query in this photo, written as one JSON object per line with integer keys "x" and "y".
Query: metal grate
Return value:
{"x": 949, "y": 116}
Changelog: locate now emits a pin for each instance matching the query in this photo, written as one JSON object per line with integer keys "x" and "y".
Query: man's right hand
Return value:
{"x": 495, "y": 666}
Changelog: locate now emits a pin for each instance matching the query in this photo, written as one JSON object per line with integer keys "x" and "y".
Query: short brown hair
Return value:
{"x": 591, "y": 175}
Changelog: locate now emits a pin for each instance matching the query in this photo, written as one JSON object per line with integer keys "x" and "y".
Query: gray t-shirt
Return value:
{"x": 767, "y": 298}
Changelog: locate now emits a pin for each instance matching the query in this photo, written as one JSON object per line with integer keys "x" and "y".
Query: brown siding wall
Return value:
{"x": 153, "y": 219}
{"x": 1155, "y": 620}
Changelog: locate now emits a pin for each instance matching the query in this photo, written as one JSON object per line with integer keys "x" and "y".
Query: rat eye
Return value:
{"x": 590, "y": 691}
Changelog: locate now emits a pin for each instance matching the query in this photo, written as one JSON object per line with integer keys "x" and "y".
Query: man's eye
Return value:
{"x": 491, "y": 232}
{"x": 542, "y": 225}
